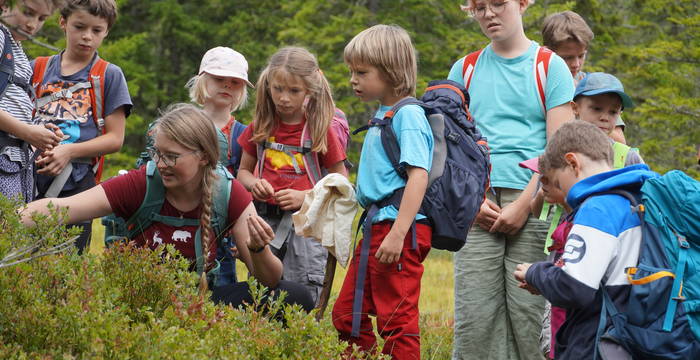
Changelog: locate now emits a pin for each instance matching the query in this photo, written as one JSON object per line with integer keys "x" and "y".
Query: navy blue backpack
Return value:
{"x": 459, "y": 175}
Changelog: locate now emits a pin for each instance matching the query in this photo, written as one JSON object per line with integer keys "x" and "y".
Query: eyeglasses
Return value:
{"x": 496, "y": 8}
{"x": 168, "y": 159}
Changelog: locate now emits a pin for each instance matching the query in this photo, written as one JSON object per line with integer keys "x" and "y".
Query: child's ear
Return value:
{"x": 62, "y": 23}
{"x": 573, "y": 161}
{"x": 574, "y": 108}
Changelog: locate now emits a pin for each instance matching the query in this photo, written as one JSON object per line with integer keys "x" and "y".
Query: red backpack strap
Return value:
{"x": 97, "y": 99}
{"x": 541, "y": 69}
{"x": 40, "y": 64}
{"x": 468, "y": 67}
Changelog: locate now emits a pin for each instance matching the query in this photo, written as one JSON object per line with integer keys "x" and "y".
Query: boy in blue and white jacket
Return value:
{"x": 603, "y": 241}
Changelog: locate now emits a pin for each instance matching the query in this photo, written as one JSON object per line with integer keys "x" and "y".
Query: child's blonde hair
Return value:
{"x": 191, "y": 128}
{"x": 297, "y": 62}
{"x": 389, "y": 49}
{"x": 576, "y": 137}
{"x": 564, "y": 26}
{"x": 197, "y": 86}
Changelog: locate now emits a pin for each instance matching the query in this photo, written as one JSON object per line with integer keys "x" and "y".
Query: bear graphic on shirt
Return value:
{"x": 181, "y": 235}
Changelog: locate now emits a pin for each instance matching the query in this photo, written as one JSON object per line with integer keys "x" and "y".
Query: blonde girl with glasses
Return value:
{"x": 510, "y": 112}
{"x": 185, "y": 153}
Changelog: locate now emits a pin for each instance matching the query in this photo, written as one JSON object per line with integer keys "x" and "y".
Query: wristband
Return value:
{"x": 258, "y": 250}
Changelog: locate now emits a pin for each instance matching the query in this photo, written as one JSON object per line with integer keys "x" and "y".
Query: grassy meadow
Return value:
{"x": 436, "y": 303}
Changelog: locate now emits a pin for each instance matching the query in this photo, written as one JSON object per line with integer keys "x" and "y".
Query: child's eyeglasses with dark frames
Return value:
{"x": 168, "y": 159}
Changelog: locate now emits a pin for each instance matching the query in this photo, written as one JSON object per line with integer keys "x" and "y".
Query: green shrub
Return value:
{"x": 133, "y": 303}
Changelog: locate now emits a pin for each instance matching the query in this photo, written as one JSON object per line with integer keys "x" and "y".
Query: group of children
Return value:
{"x": 520, "y": 114}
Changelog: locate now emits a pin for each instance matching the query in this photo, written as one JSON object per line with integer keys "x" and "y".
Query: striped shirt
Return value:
{"x": 16, "y": 101}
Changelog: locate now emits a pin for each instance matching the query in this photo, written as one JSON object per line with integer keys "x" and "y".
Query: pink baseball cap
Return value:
{"x": 224, "y": 61}
{"x": 532, "y": 164}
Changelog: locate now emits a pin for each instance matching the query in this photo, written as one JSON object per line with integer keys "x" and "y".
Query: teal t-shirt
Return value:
{"x": 376, "y": 178}
{"x": 507, "y": 110}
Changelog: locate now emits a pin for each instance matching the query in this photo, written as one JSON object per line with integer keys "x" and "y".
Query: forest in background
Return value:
{"x": 651, "y": 45}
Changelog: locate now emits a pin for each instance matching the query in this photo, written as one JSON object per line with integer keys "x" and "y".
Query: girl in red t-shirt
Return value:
{"x": 185, "y": 153}
{"x": 293, "y": 113}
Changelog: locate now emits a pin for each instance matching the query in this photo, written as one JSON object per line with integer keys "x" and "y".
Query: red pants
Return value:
{"x": 391, "y": 294}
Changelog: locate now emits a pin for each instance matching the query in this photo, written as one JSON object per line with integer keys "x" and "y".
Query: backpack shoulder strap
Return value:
{"x": 97, "y": 80}
{"x": 97, "y": 98}
{"x": 152, "y": 202}
{"x": 236, "y": 131}
{"x": 40, "y": 64}
{"x": 541, "y": 70}
{"x": 7, "y": 63}
{"x": 390, "y": 141}
{"x": 468, "y": 67}
{"x": 312, "y": 163}
{"x": 219, "y": 218}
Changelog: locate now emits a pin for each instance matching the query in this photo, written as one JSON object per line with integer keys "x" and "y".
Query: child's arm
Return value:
{"x": 260, "y": 188}
{"x": 52, "y": 162}
{"x": 252, "y": 233}
{"x": 390, "y": 249}
{"x": 87, "y": 205}
{"x": 40, "y": 136}
{"x": 587, "y": 257}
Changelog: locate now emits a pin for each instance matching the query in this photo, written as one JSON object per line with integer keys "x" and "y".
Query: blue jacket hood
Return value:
{"x": 630, "y": 178}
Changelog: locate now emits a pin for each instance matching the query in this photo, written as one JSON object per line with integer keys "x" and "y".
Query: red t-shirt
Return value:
{"x": 278, "y": 168}
{"x": 125, "y": 194}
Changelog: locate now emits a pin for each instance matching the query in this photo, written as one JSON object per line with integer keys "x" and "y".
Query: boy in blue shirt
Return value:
{"x": 385, "y": 273}
{"x": 604, "y": 238}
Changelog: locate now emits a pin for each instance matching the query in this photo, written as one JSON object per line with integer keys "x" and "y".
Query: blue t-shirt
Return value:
{"x": 376, "y": 178}
{"x": 75, "y": 117}
{"x": 505, "y": 104}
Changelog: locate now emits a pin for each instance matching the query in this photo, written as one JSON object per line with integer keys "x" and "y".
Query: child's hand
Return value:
{"x": 390, "y": 249}
{"x": 289, "y": 199}
{"x": 260, "y": 232}
{"x": 56, "y": 130}
{"x": 262, "y": 190}
{"x": 511, "y": 219}
{"x": 488, "y": 214}
{"x": 41, "y": 137}
{"x": 520, "y": 271}
{"x": 52, "y": 162}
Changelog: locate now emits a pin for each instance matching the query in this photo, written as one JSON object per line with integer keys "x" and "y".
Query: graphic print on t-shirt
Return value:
{"x": 181, "y": 236}
{"x": 280, "y": 160}
{"x": 157, "y": 240}
{"x": 68, "y": 113}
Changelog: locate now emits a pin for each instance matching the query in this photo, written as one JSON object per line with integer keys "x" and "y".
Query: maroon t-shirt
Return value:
{"x": 125, "y": 194}
{"x": 278, "y": 168}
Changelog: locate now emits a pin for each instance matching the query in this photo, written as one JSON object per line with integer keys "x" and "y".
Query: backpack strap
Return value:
{"x": 620, "y": 152}
{"x": 389, "y": 140}
{"x": 540, "y": 71}
{"x": 468, "y": 67}
{"x": 219, "y": 218}
{"x": 312, "y": 163}
{"x": 7, "y": 63}
{"x": 234, "y": 160}
{"x": 97, "y": 97}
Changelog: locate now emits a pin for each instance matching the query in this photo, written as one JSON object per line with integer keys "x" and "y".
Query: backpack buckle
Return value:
{"x": 276, "y": 146}
{"x": 682, "y": 241}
